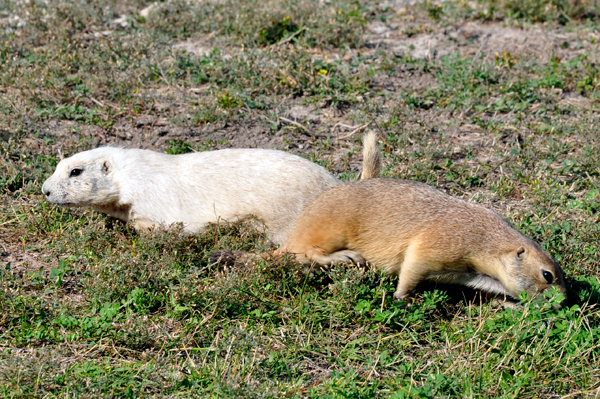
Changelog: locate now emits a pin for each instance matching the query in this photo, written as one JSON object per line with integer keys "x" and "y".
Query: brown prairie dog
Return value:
{"x": 419, "y": 233}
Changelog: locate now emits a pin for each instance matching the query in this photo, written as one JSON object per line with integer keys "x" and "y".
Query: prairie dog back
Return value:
{"x": 417, "y": 232}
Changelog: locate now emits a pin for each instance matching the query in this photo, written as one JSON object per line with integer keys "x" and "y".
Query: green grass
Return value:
{"x": 90, "y": 308}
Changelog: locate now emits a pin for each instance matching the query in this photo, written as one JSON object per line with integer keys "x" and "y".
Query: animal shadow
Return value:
{"x": 580, "y": 292}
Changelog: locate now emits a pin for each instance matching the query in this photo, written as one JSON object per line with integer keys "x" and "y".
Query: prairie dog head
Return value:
{"x": 85, "y": 179}
{"x": 532, "y": 270}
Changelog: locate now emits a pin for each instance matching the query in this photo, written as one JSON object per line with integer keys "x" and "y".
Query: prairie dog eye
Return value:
{"x": 548, "y": 276}
{"x": 75, "y": 172}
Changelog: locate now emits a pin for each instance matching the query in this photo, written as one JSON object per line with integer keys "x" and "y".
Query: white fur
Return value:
{"x": 152, "y": 189}
{"x": 474, "y": 280}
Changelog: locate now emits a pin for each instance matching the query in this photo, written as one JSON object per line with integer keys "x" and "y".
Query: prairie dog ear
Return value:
{"x": 106, "y": 166}
{"x": 520, "y": 253}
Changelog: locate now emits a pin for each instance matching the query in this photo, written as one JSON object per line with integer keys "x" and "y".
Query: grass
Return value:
{"x": 522, "y": 13}
{"x": 90, "y": 308}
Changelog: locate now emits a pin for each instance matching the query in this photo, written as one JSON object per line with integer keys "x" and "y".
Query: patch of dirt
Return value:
{"x": 13, "y": 252}
{"x": 304, "y": 113}
{"x": 401, "y": 38}
{"x": 407, "y": 80}
{"x": 574, "y": 100}
{"x": 199, "y": 47}
{"x": 468, "y": 135}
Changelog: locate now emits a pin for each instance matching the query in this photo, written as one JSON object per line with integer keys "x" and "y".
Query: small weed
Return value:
{"x": 505, "y": 60}
{"x": 278, "y": 31}
{"x": 435, "y": 11}
{"x": 178, "y": 147}
{"x": 228, "y": 101}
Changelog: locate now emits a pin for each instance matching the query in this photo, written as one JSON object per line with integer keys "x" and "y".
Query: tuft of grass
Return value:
{"x": 278, "y": 31}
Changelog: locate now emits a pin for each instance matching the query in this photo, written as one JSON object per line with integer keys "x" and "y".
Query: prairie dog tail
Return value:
{"x": 371, "y": 166}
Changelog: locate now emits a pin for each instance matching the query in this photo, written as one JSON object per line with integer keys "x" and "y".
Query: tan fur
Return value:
{"x": 419, "y": 233}
{"x": 371, "y": 157}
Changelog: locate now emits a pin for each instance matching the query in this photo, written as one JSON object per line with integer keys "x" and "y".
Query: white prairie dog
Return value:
{"x": 419, "y": 233}
{"x": 151, "y": 189}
